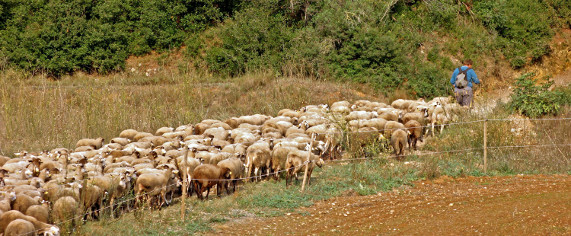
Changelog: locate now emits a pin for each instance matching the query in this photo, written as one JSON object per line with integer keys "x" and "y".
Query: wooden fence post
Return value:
{"x": 307, "y": 164}
{"x": 486, "y": 146}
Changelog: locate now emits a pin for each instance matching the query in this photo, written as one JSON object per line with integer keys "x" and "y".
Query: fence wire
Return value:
{"x": 525, "y": 136}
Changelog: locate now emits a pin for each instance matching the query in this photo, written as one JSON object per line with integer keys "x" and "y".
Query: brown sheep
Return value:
{"x": 414, "y": 133}
{"x": 64, "y": 212}
{"x": 399, "y": 139}
{"x": 258, "y": 156}
{"x": 154, "y": 183}
{"x": 22, "y": 202}
{"x": 236, "y": 167}
{"x": 40, "y": 212}
{"x": 20, "y": 227}
{"x": 391, "y": 126}
{"x": 128, "y": 134}
{"x": 95, "y": 143}
{"x": 206, "y": 176}
{"x": 295, "y": 163}
{"x": 3, "y": 160}
{"x": 39, "y": 227}
{"x": 279, "y": 158}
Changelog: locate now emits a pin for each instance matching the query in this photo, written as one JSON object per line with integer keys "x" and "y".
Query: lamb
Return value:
{"x": 128, "y": 134}
{"x": 398, "y": 142}
{"x": 236, "y": 167}
{"x": 295, "y": 163}
{"x": 95, "y": 143}
{"x": 206, "y": 176}
{"x": 414, "y": 133}
{"x": 20, "y": 227}
{"x": 39, "y": 227}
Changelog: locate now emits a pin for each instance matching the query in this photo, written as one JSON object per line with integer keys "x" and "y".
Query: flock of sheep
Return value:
{"x": 42, "y": 190}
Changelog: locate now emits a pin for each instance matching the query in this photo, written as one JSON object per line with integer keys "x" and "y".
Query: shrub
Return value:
{"x": 533, "y": 100}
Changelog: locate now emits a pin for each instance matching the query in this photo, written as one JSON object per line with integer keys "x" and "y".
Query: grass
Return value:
{"x": 38, "y": 114}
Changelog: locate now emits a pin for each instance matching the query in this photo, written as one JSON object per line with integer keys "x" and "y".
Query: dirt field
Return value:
{"x": 517, "y": 205}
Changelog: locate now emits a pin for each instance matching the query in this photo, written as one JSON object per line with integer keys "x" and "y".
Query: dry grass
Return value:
{"x": 39, "y": 114}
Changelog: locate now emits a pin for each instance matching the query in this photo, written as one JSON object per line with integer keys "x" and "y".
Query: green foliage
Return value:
{"x": 255, "y": 39}
{"x": 535, "y": 100}
{"x": 60, "y": 37}
{"x": 523, "y": 27}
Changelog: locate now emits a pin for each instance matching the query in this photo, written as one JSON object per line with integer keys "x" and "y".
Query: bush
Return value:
{"x": 534, "y": 100}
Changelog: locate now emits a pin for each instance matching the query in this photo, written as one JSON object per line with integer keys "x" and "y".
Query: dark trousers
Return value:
{"x": 464, "y": 96}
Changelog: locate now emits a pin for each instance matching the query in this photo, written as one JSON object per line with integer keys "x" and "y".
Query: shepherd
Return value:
{"x": 462, "y": 79}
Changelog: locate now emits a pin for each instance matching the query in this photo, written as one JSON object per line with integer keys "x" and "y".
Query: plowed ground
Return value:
{"x": 515, "y": 205}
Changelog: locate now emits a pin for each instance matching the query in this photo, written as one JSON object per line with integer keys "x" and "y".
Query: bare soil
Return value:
{"x": 514, "y": 205}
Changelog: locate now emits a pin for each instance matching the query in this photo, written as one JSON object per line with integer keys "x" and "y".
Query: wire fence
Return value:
{"x": 543, "y": 144}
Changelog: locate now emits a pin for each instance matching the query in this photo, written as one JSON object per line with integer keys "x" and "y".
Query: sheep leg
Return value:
{"x": 207, "y": 192}
{"x": 256, "y": 174}
{"x": 441, "y": 128}
{"x": 432, "y": 128}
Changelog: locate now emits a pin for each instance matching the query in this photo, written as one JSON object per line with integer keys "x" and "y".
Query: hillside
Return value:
{"x": 391, "y": 45}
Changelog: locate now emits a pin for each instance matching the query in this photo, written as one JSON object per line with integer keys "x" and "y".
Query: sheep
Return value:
{"x": 113, "y": 185}
{"x": 40, "y": 212}
{"x": 154, "y": 140}
{"x": 92, "y": 200}
{"x": 399, "y": 139}
{"x": 141, "y": 135}
{"x": 414, "y": 133}
{"x": 289, "y": 113}
{"x": 388, "y": 115}
{"x": 186, "y": 165}
{"x": 65, "y": 208}
{"x": 440, "y": 117}
{"x": 238, "y": 149}
{"x": 406, "y": 117}
{"x": 95, "y": 143}
{"x": 236, "y": 167}
{"x": 295, "y": 163}
{"x": 279, "y": 158}
{"x": 128, "y": 134}
{"x": 154, "y": 183}
{"x": 218, "y": 133}
{"x": 39, "y": 227}
{"x": 163, "y": 130}
{"x": 341, "y": 107}
{"x": 23, "y": 202}
{"x": 206, "y": 176}
{"x": 258, "y": 157}
{"x": 7, "y": 199}
{"x": 221, "y": 125}
{"x": 3, "y": 160}
{"x": 122, "y": 141}
{"x": 361, "y": 115}
{"x": 20, "y": 227}
{"x": 391, "y": 126}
